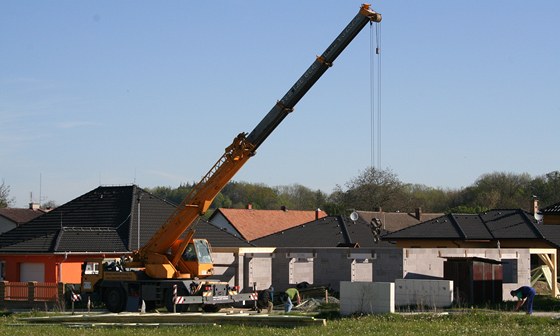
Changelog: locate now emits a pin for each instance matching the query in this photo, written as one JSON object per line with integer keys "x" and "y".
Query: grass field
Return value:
{"x": 470, "y": 323}
{"x": 497, "y": 319}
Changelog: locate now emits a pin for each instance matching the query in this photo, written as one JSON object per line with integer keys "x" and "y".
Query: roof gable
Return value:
{"x": 216, "y": 236}
{"x": 253, "y": 224}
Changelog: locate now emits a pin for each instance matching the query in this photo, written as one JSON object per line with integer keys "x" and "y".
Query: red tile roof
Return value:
{"x": 253, "y": 224}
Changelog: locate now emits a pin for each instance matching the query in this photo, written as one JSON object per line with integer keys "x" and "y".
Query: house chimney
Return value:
{"x": 418, "y": 213}
{"x": 249, "y": 206}
{"x": 535, "y": 204}
{"x": 317, "y": 213}
{"x": 34, "y": 206}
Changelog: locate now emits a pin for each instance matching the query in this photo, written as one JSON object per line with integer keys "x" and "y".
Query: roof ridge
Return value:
{"x": 344, "y": 229}
{"x": 531, "y": 223}
{"x": 479, "y": 215}
{"x": 457, "y": 226}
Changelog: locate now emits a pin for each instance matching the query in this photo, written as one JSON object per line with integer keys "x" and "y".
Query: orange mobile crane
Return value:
{"x": 170, "y": 270}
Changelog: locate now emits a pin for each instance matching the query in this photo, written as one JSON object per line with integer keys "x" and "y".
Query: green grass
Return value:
{"x": 470, "y": 323}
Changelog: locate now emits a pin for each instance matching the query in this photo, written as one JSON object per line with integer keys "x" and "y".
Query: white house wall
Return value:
{"x": 6, "y": 224}
{"x": 220, "y": 221}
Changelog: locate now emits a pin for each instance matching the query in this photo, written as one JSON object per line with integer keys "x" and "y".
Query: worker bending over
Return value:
{"x": 290, "y": 295}
{"x": 524, "y": 294}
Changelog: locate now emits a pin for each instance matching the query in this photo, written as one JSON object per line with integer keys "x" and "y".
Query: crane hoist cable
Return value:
{"x": 375, "y": 93}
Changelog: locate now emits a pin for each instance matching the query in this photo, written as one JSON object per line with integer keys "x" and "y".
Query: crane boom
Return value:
{"x": 313, "y": 73}
{"x": 243, "y": 147}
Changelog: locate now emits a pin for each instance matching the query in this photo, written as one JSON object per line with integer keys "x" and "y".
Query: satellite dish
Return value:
{"x": 538, "y": 216}
{"x": 354, "y": 216}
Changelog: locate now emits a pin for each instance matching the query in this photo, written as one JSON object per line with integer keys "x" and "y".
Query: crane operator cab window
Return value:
{"x": 198, "y": 250}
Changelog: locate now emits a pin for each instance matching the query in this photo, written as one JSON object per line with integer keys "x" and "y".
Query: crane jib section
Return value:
{"x": 310, "y": 77}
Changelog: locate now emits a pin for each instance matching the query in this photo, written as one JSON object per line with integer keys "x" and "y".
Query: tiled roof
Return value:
{"x": 99, "y": 220}
{"x": 394, "y": 221}
{"x": 325, "y": 232}
{"x": 494, "y": 224}
{"x": 552, "y": 209}
{"x": 216, "y": 236}
{"x": 253, "y": 224}
{"x": 511, "y": 224}
{"x": 103, "y": 220}
{"x": 331, "y": 231}
{"x": 20, "y": 216}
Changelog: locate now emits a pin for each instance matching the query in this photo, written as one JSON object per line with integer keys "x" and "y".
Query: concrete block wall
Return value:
{"x": 301, "y": 270}
{"x": 388, "y": 265}
{"x": 430, "y": 293}
{"x": 258, "y": 272}
{"x": 422, "y": 262}
{"x": 428, "y": 262}
{"x": 225, "y": 267}
{"x": 331, "y": 267}
{"x": 367, "y": 297}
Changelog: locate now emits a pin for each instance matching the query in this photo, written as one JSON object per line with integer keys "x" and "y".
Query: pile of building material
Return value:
{"x": 175, "y": 319}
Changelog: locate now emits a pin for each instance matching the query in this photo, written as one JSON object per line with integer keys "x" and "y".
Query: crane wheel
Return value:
{"x": 114, "y": 299}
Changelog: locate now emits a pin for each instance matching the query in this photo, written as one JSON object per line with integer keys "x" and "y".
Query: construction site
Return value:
{"x": 119, "y": 258}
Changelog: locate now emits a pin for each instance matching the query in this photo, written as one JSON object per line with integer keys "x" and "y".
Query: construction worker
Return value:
{"x": 524, "y": 294}
{"x": 265, "y": 298}
{"x": 290, "y": 295}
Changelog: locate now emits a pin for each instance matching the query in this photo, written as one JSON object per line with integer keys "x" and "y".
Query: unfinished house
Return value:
{"x": 513, "y": 237}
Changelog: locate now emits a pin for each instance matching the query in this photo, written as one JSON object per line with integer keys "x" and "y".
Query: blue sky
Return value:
{"x": 149, "y": 92}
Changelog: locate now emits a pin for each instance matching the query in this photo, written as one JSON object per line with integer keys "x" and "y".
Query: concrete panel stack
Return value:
{"x": 424, "y": 293}
{"x": 367, "y": 297}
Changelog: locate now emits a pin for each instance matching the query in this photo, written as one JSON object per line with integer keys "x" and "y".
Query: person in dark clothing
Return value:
{"x": 265, "y": 299}
{"x": 524, "y": 294}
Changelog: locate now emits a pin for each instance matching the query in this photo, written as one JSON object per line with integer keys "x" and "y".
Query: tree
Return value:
{"x": 49, "y": 205}
{"x": 299, "y": 197}
{"x": 371, "y": 190}
{"x": 499, "y": 190}
{"x": 547, "y": 188}
{"x": 5, "y": 199}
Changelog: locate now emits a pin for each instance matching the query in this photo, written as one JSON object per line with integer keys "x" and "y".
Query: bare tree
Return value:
{"x": 373, "y": 189}
{"x": 5, "y": 199}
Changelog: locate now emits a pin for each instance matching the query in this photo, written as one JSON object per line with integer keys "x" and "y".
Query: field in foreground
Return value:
{"x": 472, "y": 323}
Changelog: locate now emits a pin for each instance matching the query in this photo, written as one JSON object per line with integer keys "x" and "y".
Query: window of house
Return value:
{"x": 509, "y": 267}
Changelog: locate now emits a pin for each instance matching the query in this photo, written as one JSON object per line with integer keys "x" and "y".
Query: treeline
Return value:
{"x": 376, "y": 189}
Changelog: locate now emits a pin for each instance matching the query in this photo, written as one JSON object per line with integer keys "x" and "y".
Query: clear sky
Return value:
{"x": 151, "y": 92}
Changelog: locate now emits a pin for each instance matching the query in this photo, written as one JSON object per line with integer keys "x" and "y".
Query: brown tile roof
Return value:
{"x": 253, "y": 224}
{"x": 20, "y": 216}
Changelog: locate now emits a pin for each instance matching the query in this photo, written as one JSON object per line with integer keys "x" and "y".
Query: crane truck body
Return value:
{"x": 173, "y": 267}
